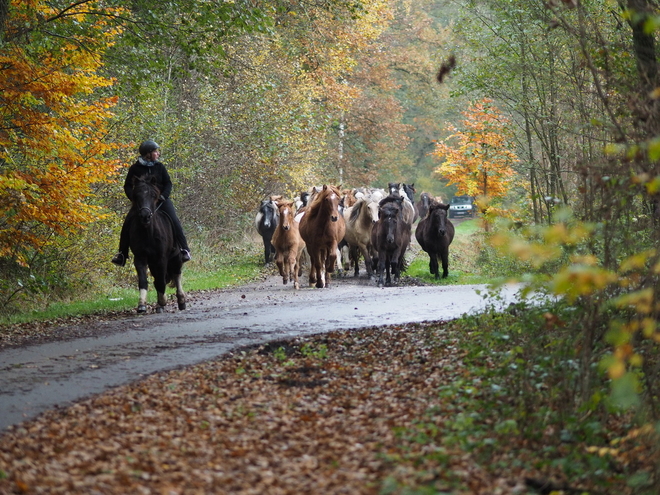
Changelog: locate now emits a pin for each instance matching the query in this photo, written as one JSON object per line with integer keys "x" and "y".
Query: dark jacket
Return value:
{"x": 142, "y": 167}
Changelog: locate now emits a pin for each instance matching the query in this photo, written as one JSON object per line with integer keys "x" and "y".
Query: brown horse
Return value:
{"x": 322, "y": 228}
{"x": 434, "y": 233}
{"x": 288, "y": 243}
{"x": 390, "y": 238}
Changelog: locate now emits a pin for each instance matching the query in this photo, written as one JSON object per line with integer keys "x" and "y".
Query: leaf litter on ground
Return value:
{"x": 354, "y": 412}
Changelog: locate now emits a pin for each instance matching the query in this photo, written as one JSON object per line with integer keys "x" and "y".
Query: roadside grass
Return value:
{"x": 236, "y": 267}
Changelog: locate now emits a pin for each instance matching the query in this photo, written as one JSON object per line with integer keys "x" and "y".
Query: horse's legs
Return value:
{"x": 312, "y": 267}
{"x": 160, "y": 284}
{"x": 143, "y": 284}
{"x": 367, "y": 260}
{"x": 388, "y": 268}
{"x": 330, "y": 264}
{"x": 285, "y": 263}
{"x": 180, "y": 295}
{"x": 292, "y": 267}
{"x": 266, "y": 250}
{"x": 382, "y": 261}
{"x": 279, "y": 261}
{"x": 444, "y": 253}
{"x": 433, "y": 264}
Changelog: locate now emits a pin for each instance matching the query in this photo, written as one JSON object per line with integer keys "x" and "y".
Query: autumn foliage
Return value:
{"x": 53, "y": 121}
{"x": 478, "y": 158}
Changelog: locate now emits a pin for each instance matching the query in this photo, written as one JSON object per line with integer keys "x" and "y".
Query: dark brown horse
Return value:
{"x": 154, "y": 246}
{"x": 390, "y": 238}
{"x": 322, "y": 228}
{"x": 434, "y": 234}
{"x": 288, "y": 243}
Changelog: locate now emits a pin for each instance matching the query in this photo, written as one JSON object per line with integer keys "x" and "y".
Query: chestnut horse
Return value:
{"x": 434, "y": 233}
{"x": 288, "y": 243}
{"x": 153, "y": 245}
{"x": 322, "y": 228}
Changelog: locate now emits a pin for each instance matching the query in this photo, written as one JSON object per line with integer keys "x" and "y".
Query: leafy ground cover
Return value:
{"x": 441, "y": 407}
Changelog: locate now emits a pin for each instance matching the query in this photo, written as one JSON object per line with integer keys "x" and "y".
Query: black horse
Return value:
{"x": 434, "y": 234}
{"x": 390, "y": 238}
{"x": 266, "y": 223}
{"x": 153, "y": 245}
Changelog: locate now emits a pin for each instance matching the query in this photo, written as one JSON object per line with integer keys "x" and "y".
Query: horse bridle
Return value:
{"x": 151, "y": 213}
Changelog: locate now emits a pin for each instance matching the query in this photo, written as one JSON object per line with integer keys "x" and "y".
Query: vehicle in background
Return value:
{"x": 462, "y": 206}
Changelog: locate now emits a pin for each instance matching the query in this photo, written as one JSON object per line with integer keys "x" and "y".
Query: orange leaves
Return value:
{"x": 480, "y": 160}
{"x": 53, "y": 122}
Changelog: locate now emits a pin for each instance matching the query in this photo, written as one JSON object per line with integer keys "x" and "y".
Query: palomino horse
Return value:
{"x": 434, "y": 234}
{"x": 390, "y": 238}
{"x": 266, "y": 223}
{"x": 322, "y": 227}
{"x": 360, "y": 219}
{"x": 288, "y": 243}
{"x": 154, "y": 246}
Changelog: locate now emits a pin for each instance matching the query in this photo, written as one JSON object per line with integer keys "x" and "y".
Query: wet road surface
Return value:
{"x": 115, "y": 352}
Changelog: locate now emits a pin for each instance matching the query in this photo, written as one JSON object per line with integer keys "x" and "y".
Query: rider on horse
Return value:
{"x": 148, "y": 164}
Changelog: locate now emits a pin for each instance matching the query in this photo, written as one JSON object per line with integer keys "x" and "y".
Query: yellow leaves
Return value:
{"x": 53, "y": 129}
{"x": 535, "y": 253}
{"x": 581, "y": 280}
{"x": 480, "y": 160}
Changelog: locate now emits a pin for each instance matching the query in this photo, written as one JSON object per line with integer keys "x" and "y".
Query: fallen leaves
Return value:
{"x": 357, "y": 412}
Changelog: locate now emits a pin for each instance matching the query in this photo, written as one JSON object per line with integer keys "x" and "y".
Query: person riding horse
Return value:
{"x": 148, "y": 164}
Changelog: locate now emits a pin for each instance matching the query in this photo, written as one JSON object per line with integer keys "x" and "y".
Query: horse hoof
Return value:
{"x": 141, "y": 308}
{"x": 160, "y": 309}
{"x": 182, "y": 306}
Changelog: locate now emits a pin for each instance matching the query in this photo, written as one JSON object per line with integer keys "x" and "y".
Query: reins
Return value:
{"x": 151, "y": 213}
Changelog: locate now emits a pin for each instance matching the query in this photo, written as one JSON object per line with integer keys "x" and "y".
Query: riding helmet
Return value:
{"x": 147, "y": 147}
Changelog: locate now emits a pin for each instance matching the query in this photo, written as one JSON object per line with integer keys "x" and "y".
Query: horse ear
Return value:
{"x": 444, "y": 207}
{"x": 325, "y": 187}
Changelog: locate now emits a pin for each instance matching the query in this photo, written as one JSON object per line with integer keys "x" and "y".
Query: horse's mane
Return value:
{"x": 317, "y": 201}
{"x": 357, "y": 209}
{"x": 148, "y": 181}
{"x": 391, "y": 199}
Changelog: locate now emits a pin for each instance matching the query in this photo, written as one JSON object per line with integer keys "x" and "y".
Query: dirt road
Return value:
{"x": 95, "y": 357}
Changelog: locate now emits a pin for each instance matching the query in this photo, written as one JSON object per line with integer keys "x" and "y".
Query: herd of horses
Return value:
{"x": 325, "y": 228}
{"x": 330, "y": 229}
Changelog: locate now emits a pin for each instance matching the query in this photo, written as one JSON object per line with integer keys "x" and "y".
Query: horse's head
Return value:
{"x": 372, "y": 211}
{"x": 145, "y": 197}
{"x": 286, "y": 210}
{"x": 267, "y": 213}
{"x": 390, "y": 212}
{"x": 438, "y": 214}
{"x": 330, "y": 197}
{"x": 393, "y": 188}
